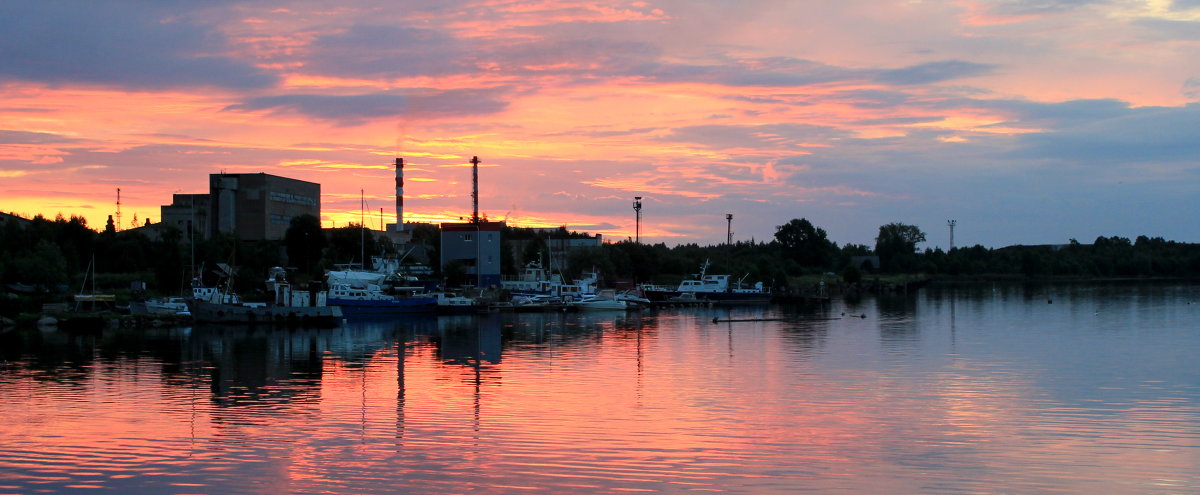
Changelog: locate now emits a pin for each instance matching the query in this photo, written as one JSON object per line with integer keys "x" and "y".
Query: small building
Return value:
{"x": 477, "y": 247}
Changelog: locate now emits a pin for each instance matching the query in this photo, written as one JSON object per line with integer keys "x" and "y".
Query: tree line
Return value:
{"x": 56, "y": 256}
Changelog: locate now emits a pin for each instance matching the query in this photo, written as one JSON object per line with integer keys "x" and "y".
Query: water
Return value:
{"x": 1005, "y": 389}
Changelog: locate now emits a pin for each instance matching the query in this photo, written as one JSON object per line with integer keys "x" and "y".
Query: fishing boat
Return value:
{"x": 379, "y": 291}
{"x": 716, "y": 289}
{"x": 372, "y": 299}
{"x": 533, "y": 280}
{"x": 290, "y": 306}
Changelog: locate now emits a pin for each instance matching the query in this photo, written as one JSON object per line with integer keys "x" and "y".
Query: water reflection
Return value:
{"x": 1008, "y": 388}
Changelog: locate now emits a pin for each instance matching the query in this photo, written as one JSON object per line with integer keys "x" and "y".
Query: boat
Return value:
{"x": 453, "y": 303}
{"x": 716, "y": 289}
{"x": 162, "y": 306}
{"x": 633, "y": 299}
{"x": 361, "y": 292}
{"x": 596, "y": 302}
{"x": 372, "y": 299}
{"x": 533, "y": 280}
{"x": 290, "y": 306}
{"x": 537, "y": 302}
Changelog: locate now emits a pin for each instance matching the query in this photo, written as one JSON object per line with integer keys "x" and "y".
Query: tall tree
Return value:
{"x": 351, "y": 244}
{"x": 805, "y": 243}
{"x": 896, "y": 245}
{"x": 304, "y": 241}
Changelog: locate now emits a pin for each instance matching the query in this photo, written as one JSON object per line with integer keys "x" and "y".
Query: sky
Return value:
{"x": 1025, "y": 121}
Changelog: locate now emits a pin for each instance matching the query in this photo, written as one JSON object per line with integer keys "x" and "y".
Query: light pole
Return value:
{"x": 637, "y": 215}
{"x": 729, "y": 229}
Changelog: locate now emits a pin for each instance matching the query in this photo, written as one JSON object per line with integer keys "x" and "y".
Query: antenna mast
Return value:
{"x": 951, "y": 223}
{"x": 118, "y": 222}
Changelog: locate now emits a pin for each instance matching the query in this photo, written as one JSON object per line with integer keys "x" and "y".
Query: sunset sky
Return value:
{"x": 1027, "y": 121}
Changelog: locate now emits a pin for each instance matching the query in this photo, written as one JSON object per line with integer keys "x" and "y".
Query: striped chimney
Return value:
{"x": 399, "y": 195}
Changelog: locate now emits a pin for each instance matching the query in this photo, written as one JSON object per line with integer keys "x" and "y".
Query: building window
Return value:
{"x": 466, "y": 237}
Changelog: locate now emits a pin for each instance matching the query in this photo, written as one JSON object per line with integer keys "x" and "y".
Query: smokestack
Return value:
{"x": 399, "y": 195}
{"x": 475, "y": 189}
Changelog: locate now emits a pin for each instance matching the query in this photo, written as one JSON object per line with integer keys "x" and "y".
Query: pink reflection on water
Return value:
{"x": 667, "y": 402}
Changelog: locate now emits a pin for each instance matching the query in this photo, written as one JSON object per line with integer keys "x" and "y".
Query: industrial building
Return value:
{"x": 187, "y": 212}
{"x": 254, "y": 207}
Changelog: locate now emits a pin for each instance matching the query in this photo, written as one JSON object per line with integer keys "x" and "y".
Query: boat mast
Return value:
{"x": 362, "y": 228}
{"x": 83, "y": 285}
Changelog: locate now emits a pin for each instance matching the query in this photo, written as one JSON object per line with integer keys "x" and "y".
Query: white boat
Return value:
{"x": 372, "y": 299}
{"x": 168, "y": 306}
{"x": 534, "y": 279}
{"x": 633, "y": 299}
{"x": 714, "y": 288}
{"x": 594, "y": 302}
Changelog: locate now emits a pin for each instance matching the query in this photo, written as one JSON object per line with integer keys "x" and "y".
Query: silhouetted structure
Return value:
{"x": 477, "y": 247}
{"x": 254, "y": 207}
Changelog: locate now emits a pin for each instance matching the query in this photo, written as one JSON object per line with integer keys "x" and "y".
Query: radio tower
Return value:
{"x": 729, "y": 229}
{"x": 118, "y": 222}
{"x": 951, "y": 223}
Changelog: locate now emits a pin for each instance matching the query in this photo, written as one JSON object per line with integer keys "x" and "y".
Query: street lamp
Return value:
{"x": 637, "y": 226}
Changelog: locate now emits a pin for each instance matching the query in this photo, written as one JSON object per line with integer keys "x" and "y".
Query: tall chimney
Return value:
{"x": 475, "y": 189}
{"x": 399, "y": 195}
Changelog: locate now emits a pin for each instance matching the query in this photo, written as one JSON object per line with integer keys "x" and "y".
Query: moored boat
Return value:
{"x": 371, "y": 299}
{"x": 530, "y": 303}
{"x": 165, "y": 306}
{"x": 716, "y": 289}
{"x": 452, "y": 303}
{"x": 290, "y": 306}
{"x": 595, "y": 302}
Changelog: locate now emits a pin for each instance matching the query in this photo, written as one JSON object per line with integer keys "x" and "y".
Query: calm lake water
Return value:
{"x": 986, "y": 389}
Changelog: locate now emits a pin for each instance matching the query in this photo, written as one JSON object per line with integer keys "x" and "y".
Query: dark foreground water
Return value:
{"x": 1063, "y": 389}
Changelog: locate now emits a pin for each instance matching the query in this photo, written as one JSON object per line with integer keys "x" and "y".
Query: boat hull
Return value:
{"x": 389, "y": 306}
{"x": 310, "y": 316}
{"x": 660, "y": 296}
{"x": 600, "y": 306}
